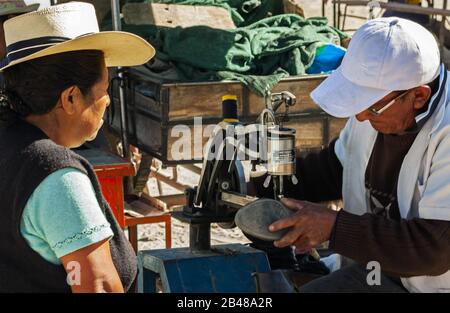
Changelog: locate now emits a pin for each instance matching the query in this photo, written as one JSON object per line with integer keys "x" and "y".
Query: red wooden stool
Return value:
{"x": 110, "y": 170}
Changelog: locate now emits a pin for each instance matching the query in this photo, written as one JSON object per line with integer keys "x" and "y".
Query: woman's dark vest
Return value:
{"x": 27, "y": 156}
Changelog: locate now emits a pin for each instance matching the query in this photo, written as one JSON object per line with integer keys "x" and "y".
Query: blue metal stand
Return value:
{"x": 224, "y": 268}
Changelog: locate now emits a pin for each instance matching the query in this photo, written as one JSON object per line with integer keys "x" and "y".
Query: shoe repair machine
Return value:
{"x": 221, "y": 192}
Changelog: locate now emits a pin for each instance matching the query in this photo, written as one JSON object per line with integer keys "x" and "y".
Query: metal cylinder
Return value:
{"x": 200, "y": 237}
{"x": 281, "y": 151}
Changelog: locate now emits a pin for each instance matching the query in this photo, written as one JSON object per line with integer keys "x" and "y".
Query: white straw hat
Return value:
{"x": 384, "y": 55}
{"x": 68, "y": 27}
{"x": 8, "y": 7}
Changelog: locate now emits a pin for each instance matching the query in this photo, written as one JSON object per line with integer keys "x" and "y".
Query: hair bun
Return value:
{"x": 4, "y": 100}
{"x": 14, "y": 102}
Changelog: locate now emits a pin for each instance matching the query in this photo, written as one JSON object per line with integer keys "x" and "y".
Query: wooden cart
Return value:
{"x": 154, "y": 109}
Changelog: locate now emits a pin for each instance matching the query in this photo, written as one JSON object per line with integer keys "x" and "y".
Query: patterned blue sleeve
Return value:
{"x": 63, "y": 215}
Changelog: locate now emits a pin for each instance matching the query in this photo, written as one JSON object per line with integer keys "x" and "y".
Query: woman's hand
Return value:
{"x": 97, "y": 272}
{"x": 311, "y": 225}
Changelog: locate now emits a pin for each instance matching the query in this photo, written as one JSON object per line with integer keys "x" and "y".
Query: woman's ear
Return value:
{"x": 69, "y": 98}
{"x": 421, "y": 96}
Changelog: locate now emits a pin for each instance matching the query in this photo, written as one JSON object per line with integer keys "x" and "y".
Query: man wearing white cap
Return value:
{"x": 390, "y": 165}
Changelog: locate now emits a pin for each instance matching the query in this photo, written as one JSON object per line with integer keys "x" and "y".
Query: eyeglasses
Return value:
{"x": 387, "y": 106}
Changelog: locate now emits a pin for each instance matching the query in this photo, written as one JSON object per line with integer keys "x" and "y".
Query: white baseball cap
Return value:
{"x": 384, "y": 55}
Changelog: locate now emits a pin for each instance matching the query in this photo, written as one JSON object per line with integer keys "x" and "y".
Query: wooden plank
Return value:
{"x": 309, "y": 133}
{"x": 192, "y": 167}
{"x": 203, "y": 99}
{"x": 141, "y": 208}
{"x": 300, "y": 87}
{"x": 142, "y": 212}
{"x": 173, "y": 200}
{"x": 148, "y": 104}
{"x": 291, "y": 7}
{"x": 172, "y": 182}
{"x": 174, "y": 15}
{"x": 153, "y": 201}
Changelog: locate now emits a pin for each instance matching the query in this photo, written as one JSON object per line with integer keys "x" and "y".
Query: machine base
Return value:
{"x": 224, "y": 268}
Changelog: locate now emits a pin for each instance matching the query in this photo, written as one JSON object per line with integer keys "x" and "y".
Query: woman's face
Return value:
{"x": 90, "y": 109}
{"x": 77, "y": 117}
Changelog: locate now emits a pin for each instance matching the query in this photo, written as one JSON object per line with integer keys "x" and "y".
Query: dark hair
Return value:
{"x": 34, "y": 87}
{"x": 434, "y": 86}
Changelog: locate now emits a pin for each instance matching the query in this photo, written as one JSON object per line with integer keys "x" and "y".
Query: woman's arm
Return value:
{"x": 91, "y": 269}
{"x": 64, "y": 210}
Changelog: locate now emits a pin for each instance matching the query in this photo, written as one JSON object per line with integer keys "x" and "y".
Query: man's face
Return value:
{"x": 400, "y": 116}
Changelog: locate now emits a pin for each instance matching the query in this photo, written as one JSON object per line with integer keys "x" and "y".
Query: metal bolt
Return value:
{"x": 225, "y": 185}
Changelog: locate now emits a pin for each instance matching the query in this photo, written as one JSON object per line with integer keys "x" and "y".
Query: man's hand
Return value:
{"x": 311, "y": 225}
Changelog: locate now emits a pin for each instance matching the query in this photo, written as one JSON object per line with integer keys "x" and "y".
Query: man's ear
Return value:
{"x": 68, "y": 99}
{"x": 421, "y": 95}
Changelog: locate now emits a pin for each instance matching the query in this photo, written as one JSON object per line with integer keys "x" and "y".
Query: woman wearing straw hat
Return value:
{"x": 57, "y": 234}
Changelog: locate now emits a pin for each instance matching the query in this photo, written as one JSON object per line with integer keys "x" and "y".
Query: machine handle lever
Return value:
{"x": 267, "y": 181}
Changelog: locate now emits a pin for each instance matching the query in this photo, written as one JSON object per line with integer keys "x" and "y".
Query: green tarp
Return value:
{"x": 258, "y": 55}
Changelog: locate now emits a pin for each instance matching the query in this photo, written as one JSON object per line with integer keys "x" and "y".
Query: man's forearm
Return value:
{"x": 407, "y": 248}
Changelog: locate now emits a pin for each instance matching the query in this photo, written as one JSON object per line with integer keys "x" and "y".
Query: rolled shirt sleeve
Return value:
{"x": 63, "y": 216}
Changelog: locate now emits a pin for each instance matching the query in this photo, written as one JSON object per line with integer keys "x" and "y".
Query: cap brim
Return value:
{"x": 27, "y": 9}
{"x": 340, "y": 97}
{"x": 120, "y": 48}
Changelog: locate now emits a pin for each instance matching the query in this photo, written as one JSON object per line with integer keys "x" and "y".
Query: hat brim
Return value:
{"x": 340, "y": 97}
{"x": 119, "y": 48}
{"x": 27, "y": 9}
